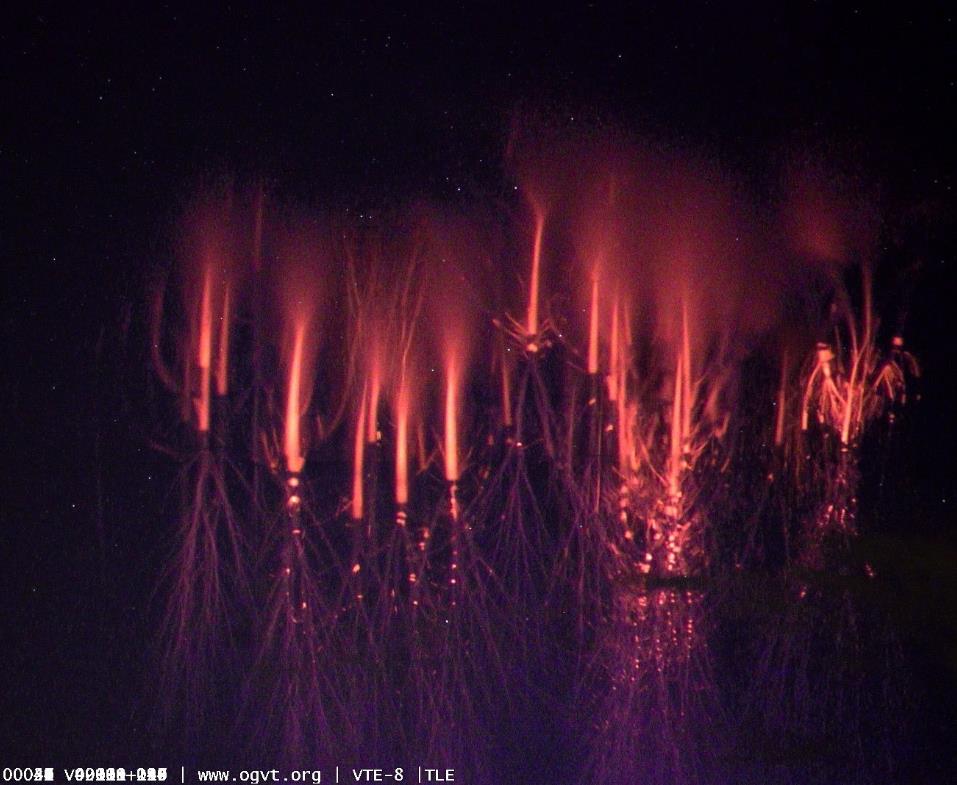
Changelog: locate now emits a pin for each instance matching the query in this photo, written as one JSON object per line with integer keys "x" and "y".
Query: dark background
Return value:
{"x": 112, "y": 117}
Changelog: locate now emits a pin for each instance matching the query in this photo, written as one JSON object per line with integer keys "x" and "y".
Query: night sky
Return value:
{"x": 114, "y": 117}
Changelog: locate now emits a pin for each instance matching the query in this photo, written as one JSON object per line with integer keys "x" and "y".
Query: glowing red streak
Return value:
{"x": 617, "y": 390}
{"x": 825, "y": 358}
{"x": 506, "y": 388}
{"x": 687, "y": 398}
{"x": 293, "y": 445}
{"x": 532, "y": 324}
{"x": 402, "y": 444}
{"x": 860, "y": 349}
{"x": 358, "y": 460}
{"x": 452, "y": 382}
{"x": 851, "y": 386}
{"x": 782, "y": 400}
{"x": 683, "y": 404}
{"x": 375, "y": 392}
{"x": 593, "y": 326}
{"x": 204, "y": 353}
{"x": 614, "y": 354}
{"x": 625, "y": 443}
{"x": 674, "y": 464}
{"x": 843, "y": 399}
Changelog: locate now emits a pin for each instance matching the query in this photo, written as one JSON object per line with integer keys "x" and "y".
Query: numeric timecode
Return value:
{"x": 116, "y": 774}
{"x": 24, "y": 774}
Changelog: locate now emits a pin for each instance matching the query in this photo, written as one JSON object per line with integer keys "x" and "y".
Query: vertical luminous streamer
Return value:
{"x": 205, "y": 353}
{"x": 624, "y": 435}
{"x": 451, "y": 420}
{"x": 677, "y": 417}
{"x": 618, "y": 394}
{"x": 506, "y": 387}
{"x": 358, "y": 459}
{"x": 615, "y": 355}
{"x": 375, "y": 391}
{"x": 782, "y": 400}
{"x": 532, "y": 324}
{"x": 808, "y": 388}
{"x": 293, "y": 445}
{"x": 593, "y": 326}
{"x": 402, "y": 444}
{"x": 859, "y": 349}
{"x": 687, "y": 398}
{"x": 851, "y": 387}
